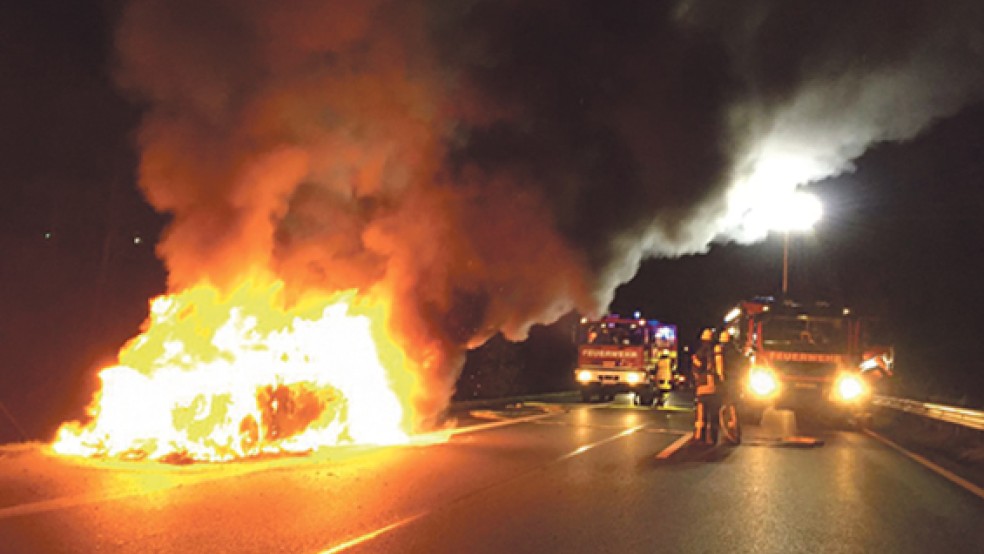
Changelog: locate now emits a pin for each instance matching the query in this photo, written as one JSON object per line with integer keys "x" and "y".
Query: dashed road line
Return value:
{"x": 405, "y": 521}
{"x": 582, "y": 449}
{"x": 41, "y": 506}
{"x": 674, "y": 446}
{"x": 491, "y": 425}
{"x": 61, "y": 503}
{"x": 372, "y": 534}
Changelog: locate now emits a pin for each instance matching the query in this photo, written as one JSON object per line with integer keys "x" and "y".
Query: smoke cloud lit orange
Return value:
{"x": 307, "y": 145}
{"x": 473, "y": 167}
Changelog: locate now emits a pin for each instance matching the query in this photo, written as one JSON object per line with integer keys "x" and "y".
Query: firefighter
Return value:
{"x": 705, "y": 390}
{"x": 726, "y": 363}
{"x": 727, "y": 358}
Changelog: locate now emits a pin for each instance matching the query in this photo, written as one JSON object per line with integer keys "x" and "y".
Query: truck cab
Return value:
{"x": 618, "y": 355}
{"x": 801, "y": 356}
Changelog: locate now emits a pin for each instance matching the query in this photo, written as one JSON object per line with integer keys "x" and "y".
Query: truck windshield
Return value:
{"x": 622, "y": 334}
{"x": 804, "y": 334}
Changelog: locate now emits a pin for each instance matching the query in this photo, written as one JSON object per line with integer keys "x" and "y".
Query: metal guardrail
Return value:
{"x": 973, "y": 419}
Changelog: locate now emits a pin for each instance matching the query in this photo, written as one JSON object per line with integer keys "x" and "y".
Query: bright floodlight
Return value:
{"x": 797, "y": 211}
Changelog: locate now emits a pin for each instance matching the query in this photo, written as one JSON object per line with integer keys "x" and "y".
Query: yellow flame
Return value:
{"x": 216, "y": 377}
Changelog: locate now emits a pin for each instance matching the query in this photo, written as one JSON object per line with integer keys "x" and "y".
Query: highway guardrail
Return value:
{"x": 973, "y": 419}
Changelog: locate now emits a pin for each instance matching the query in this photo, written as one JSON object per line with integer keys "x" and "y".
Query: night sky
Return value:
{"x": 900, "y": 238}
{"x": 75, "y": 286}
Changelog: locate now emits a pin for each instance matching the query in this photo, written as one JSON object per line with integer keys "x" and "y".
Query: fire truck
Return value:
{"x": 617, "y": 355}
{"x": 815, "y": 357}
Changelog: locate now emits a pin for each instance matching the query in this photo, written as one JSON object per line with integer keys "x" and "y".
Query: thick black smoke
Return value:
{"x": 614, "y": 113}
{"x": 494, "y": 164}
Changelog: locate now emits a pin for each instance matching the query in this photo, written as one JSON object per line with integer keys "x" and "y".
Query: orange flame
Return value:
{"x": 216, "y": 377}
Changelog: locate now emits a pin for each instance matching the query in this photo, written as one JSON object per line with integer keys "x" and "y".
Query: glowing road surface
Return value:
{"x": 571, "y": 478}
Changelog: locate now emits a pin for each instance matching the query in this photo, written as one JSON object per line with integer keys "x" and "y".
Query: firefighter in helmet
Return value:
{"x": 726, "y": 362}
{"x": 726, "y": 358}
{"x": 705, "y": 390}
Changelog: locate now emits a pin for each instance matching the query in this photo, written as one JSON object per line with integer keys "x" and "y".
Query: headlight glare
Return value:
{"x": 850, "y": 387}
{"x": 762, "y": 382}
{"x": 584, "y": 375}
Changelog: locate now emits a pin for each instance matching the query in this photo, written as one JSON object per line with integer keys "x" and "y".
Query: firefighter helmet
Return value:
{"x": 725, "y": 336}
{"x": 707, "y": 334}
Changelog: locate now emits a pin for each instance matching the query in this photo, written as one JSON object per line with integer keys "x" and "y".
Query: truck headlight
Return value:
{"x": 584, "y": 375}
{"x": 633, "y": 378}
{"x": 762, "y": 382}
{"x": 849, "y": 387}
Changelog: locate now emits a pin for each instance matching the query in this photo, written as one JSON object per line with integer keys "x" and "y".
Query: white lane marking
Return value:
{"x": 78, "y": 500}
{"x": 372, "y": 534}
{"x": 448, "y": 433}
{"x": 663, "y": 430}
{"x": 63, "y": 502}
{"x": 586, "y": 447}
{"x": 952, "y": 477}
{"x": 672, "y": 448}
{"x": 75, "y": 501}
{"x": 396, "y": 525}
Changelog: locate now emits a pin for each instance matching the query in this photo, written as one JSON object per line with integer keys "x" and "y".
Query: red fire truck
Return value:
{"x": 617, "y": 354}
{"x": 816, "y": 356}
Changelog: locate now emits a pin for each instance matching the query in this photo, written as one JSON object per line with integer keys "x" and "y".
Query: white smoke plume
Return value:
{"x": 495, "y": 164}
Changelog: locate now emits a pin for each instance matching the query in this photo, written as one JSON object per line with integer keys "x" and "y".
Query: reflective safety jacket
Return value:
{"x": 703, "y": 367}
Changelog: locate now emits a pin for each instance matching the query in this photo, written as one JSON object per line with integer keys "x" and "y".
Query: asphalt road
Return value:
{"x": 557, "y": 478}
